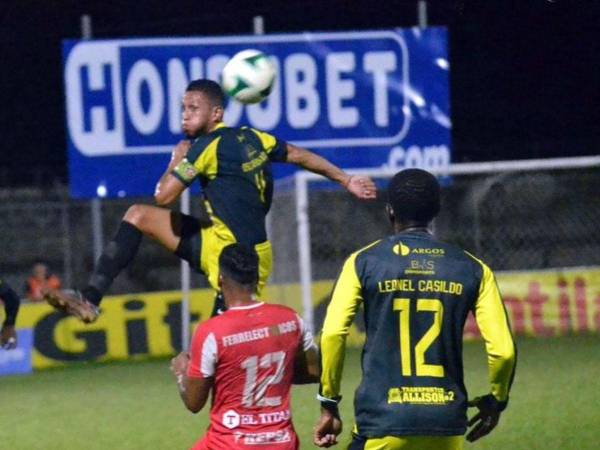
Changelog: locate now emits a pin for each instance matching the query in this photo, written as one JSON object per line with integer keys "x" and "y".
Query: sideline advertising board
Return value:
{"x": 539, "y": 303}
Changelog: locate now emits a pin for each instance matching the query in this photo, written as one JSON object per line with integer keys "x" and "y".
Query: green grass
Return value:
{"x": 555, "y": 403}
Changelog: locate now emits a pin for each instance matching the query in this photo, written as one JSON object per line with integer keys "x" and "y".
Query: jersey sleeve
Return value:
{"x": 203, "y": 354}
{"x": 493, "y": 323}
{"x": 306, "y": 335}
{"x": 201, "y": 160}
{"x": 275, "y": 148}
{"x": 345, "y": 300}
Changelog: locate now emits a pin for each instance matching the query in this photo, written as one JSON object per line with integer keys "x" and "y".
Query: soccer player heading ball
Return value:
{"x": 416, "y": 292}
{"x": 234, "y": 167}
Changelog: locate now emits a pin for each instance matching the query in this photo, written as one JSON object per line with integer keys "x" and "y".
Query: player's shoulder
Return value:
{"x": 208, "y": 326}
{"x": 254, "y": 131}
{"x": 226, "y": 320}
{"x": 279, "y": 311}
{"x": 478, "y": 263}
{"x": 201, "y": 143}
{"x": 262, "y": 138}
{"x": 459, "y": 257}
{"x": 369, "y": 249}
{"x": 362, "y": 255}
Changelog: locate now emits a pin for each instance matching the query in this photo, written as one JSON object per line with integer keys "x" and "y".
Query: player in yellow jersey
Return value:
{"x": 233, "y": 165}
{"x": 416, "y": 292}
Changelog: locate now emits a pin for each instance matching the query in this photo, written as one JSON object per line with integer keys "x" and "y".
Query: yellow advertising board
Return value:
{"x": 549, "y": 303}
{"x": 134, "y": 325}
{"x": 539, "y": 303}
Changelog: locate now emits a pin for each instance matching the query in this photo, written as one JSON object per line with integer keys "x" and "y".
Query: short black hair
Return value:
{"x": 414, "y": 195}
{"x": 210, "y": 88}
{"x": 239, "y": 262}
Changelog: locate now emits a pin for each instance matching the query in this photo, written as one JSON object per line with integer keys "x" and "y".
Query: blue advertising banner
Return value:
{"x": 361, "y": 99}
{"x": 18, "y": 360}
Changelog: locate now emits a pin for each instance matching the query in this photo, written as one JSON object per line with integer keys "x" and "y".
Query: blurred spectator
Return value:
{"x": 40, "y": 279}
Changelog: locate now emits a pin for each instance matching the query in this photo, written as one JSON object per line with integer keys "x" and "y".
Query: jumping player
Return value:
{"x": 233, "y": 166}
{"x": 249, "y": 356}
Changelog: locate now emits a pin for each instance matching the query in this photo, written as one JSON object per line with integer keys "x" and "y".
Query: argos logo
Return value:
{"x": 401, "y": 249}
{"x": 429, "y": 251}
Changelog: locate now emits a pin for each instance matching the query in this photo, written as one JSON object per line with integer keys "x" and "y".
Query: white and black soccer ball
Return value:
{"x": 248, "y": 76}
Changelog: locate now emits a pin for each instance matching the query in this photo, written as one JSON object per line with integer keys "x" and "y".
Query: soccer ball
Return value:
{"x": 248, "y": 76}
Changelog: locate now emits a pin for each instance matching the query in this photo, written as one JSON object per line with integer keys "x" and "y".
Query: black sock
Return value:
{"x": 116, "y": 256}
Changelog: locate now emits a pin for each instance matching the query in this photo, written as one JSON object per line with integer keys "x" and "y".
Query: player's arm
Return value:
{"x": 493, "y": 323}
{"x": 306, "y": 367}
{"x": 169, "y": 187}
{"x": 361, "y": 187}
{"x": 306, "y": 362}
{"x": 8, "y": 334}
{"x": 195, "y": 372}
{"x": 193, "y": 391}
{"x": 280, "y": 151}
{"x": 345, "y": 300}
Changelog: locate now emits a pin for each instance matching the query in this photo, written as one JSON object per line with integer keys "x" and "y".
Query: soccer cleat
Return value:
{"x": 72, "y": 302}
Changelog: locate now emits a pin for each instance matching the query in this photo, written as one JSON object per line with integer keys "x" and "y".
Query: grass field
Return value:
{"x": 555, "y": 403}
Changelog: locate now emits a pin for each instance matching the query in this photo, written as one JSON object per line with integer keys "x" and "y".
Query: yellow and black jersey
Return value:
{"x": 416, "y": 292}
{"x": 234, "y": 169}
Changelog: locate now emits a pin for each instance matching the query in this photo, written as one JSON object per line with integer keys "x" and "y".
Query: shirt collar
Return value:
{"x": 236, "y": 308}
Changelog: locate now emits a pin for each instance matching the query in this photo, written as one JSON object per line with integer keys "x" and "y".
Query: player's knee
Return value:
{"x": 136, "y": 215}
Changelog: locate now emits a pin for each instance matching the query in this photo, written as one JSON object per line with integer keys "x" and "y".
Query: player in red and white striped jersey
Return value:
{"x": 249, "y": 356}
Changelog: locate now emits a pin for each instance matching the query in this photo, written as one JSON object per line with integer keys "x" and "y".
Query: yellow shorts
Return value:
{"x": 214, "y": 239}
{"x": 407, "y": 443}
{"x": 201, "y": 247}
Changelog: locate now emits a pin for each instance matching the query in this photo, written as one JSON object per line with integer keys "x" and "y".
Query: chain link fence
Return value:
{"x": 46, "y": 226}
{"x": 512, "y": 220}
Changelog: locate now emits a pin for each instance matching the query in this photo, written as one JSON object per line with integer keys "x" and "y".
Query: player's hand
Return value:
{"x": 180, "y": 151}
{"x": 8, "y": 337}
{"x": 179, "y": 364}
{"x": 486, "y": 419}
{"x": 327, "y": 429}
{"x": 361, "y": 187}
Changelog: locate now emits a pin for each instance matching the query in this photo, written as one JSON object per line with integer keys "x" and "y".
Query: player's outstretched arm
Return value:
{"x": 169, "y": 188}
{"x": 361, "y": 187}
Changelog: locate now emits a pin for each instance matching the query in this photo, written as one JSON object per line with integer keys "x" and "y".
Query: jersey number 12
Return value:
{"x": 424, "y": 305}
{"x": 255, "y": 392}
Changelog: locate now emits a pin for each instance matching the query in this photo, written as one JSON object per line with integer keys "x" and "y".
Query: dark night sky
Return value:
{"x": 525, "y": 73}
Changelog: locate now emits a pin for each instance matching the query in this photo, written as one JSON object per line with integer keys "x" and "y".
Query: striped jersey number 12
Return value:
{"x": 254, "y": 391}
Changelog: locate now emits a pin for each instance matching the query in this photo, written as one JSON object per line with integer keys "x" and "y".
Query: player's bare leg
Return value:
{"x": 160, "y": 224}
